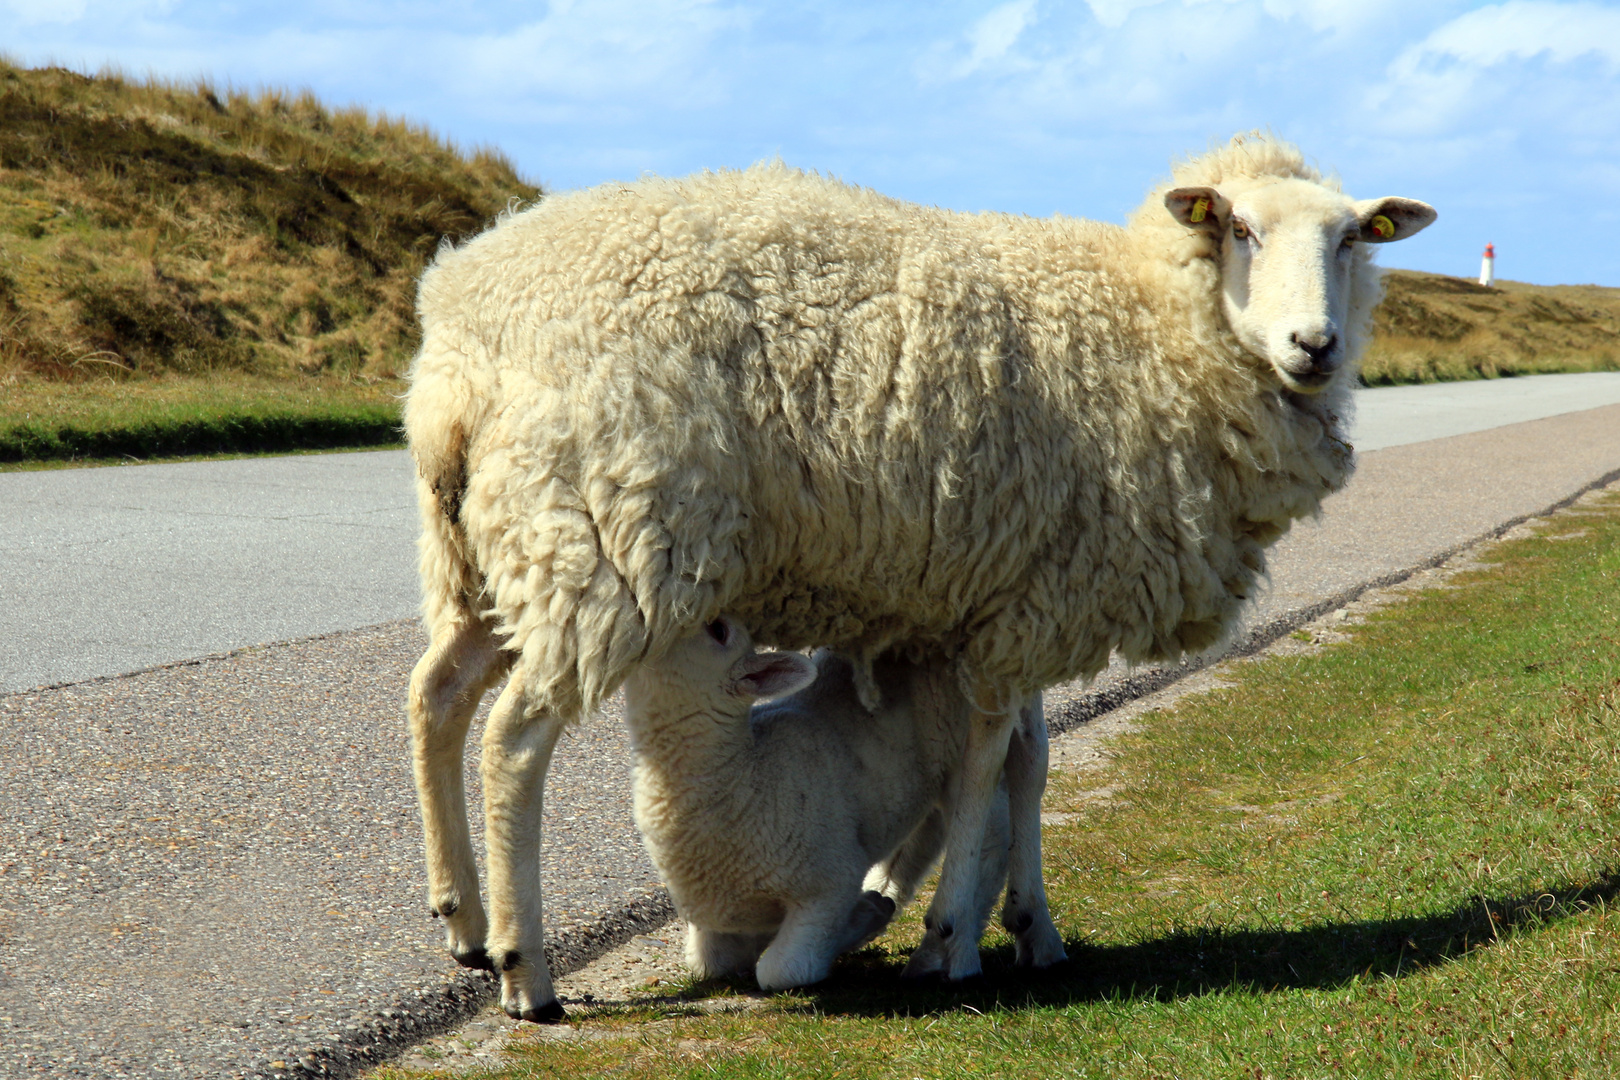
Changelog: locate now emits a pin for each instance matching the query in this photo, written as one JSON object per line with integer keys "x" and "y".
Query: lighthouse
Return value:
{"x": 1487, "y": 266}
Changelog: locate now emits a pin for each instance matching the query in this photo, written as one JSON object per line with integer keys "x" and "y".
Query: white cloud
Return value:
{"x": 1520, "y": 30}
{"x": 1531, "y": 65}
{"x": 605, "y": 49}
{"x": 995, "y": 33}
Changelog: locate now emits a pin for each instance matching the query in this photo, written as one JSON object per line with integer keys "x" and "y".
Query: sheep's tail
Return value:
{"x": 439, "y": 422}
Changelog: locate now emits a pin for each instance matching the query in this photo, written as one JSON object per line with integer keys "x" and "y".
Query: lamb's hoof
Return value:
{"x": 477, "y": 959}
{"x": 550, "y": 1013}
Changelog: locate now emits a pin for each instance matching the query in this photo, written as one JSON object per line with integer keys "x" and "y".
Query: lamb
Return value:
{"x": 1013, "y": 445}
{"x": 765, "y": 821}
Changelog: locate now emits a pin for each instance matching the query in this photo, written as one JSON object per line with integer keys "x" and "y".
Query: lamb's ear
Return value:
{"x": 1386, "y": 220}
{"x": 1199, "y": 208}
{"x": 772, "y": 674}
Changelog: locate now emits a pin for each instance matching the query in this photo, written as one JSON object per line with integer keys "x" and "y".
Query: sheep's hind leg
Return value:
{"x": 446, "y": 686}
{"x": 950, "y": 947}
{"x": 1025, "y": 914}
{"x": 517, "y": 751}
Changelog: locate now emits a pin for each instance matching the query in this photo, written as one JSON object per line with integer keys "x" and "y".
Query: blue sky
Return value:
{"x": 1505, "y": 116}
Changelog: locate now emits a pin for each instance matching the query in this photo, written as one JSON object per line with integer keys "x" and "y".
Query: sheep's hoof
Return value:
{"x": 927, "y": 961}
{"x": 477, "y": 959}
{"x": 551, "y": 1012}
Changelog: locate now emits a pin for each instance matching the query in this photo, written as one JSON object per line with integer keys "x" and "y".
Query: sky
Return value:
{"x": 1505, "y": 116}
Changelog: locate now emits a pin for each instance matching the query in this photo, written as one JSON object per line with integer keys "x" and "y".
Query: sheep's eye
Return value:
{"x": 1344, "y": 245}
{"x": 717, "y": 630}
{"x": 1239, "y": 229}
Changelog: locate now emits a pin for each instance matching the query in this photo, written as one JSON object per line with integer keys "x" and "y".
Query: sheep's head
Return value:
{"x": 715, "y": 669}
{"x": 1290, "y": 251}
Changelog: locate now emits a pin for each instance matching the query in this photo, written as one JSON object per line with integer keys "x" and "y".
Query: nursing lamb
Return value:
{"x": 1014, "y": 445}
{"x": 765, "y": 820}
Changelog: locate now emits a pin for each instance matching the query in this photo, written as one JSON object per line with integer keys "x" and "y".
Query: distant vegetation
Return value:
{"x": 186, "y": 269}
{"x": 1432, "y": 328}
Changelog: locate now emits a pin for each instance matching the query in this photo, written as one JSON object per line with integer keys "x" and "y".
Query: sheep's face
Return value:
{"x": 715, "y": 671}
{"x": 1289, "y": 253}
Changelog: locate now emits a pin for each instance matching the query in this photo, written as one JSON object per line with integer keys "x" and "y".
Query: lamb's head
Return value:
{"x": 1295, "y": 266}
{"x": 714, "y": 671}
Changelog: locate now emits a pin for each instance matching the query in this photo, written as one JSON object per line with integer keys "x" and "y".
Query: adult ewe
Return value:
{"x": 1016, "y": 444}
{"x": 765, "y": 820}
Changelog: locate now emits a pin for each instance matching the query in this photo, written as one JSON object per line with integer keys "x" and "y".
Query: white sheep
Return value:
{"x": 765, "y": 820}
{"x": 1010, "y": 443}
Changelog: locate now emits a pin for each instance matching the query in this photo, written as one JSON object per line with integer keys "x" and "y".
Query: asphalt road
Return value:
{"x": 105, "y": 571}
{"x": 211, "y": 868}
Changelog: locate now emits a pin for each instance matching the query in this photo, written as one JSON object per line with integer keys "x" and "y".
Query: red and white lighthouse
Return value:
{"x": 1487, "y": 266}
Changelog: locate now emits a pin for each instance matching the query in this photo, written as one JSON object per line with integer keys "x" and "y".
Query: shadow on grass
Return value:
{"x": 1211, "y": 960}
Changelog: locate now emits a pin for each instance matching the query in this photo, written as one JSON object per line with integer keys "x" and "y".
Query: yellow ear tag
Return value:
{"x": 1383, "y": 226}
{"x": 1200, "y": 210}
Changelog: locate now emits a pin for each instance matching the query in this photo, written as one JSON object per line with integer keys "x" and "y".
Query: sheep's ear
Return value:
{"x": 1199, "y": 208}
{"x": 1386, "y": 220}
{"x": 773, "y": 674}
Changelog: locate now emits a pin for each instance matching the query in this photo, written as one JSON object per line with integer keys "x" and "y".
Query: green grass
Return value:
{"x": 1397, "y": 856}
{"x": 43, "y": 421}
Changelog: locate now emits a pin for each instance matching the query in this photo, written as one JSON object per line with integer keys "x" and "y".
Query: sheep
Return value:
{"x": 765, "y": 821}
{"x": 1016, "y": 445}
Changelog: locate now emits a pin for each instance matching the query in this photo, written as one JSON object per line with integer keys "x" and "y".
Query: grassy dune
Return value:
{"x": 161, "y": 241}
{"x": 1433, "y": 328}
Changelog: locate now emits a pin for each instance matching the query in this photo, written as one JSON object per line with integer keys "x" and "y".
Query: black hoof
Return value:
{"x": 549, "y": 1013}
{"x": 477, "y": 959}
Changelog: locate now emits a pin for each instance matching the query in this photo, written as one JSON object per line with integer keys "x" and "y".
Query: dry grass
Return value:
{"x": 149, "y": 227}
{"x": 1432, "y": 328}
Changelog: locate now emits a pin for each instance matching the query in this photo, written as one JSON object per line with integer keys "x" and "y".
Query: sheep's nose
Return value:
{"x": 1319, "y": 347}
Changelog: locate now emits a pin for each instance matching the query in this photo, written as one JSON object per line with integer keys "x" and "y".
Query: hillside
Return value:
{"x": 1432, "y": 327}
{"x": 150, "y": 227}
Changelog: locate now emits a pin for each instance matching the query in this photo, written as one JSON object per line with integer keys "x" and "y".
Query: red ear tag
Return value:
{"x": 1382, "y": 226}
{"x": 1200, "y": 210}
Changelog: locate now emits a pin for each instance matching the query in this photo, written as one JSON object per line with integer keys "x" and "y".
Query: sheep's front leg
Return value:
{"x": 446, "y": 686}
{"x": 950, "y": 947}
{"x": 517, "y": 752}
{"x": 1025, "y": 914}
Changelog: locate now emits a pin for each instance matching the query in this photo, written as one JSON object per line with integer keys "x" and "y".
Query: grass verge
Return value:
{"x": 45, "y": 421}
{"x": 1394, "y": 856}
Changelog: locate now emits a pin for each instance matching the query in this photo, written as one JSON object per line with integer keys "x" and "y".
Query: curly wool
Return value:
{"x": 854, "y": 422}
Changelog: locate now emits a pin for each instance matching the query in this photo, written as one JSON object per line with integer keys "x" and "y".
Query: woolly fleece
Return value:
{"x": 854, "y": 422}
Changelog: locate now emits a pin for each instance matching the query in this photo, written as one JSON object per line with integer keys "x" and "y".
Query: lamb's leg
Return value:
{"x": 715, "y": 955}
{"x": 993, "y": 858}
{"x": 899, "y": 876}
{"x": 1025, "y": 915}
{"x": 517, "y": 751}
{"x": 950, "y": 946}
{"x": 812, "y": 935}
{"x": 446, "y": 686}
